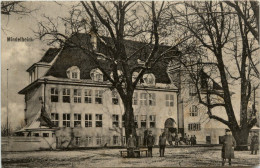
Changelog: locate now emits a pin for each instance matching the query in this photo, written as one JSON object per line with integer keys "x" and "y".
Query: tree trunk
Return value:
{"x": 129, "y": 119}
{"x": 241, "y": 137}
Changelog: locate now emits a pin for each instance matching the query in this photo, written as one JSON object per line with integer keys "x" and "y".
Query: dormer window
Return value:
{"x": 149, "y": 79}
{"x": 73, "y": 72}
{"x": 96, "y": 75}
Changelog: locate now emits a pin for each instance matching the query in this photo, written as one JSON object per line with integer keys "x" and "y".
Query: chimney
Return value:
{"x": 93, "y": 39}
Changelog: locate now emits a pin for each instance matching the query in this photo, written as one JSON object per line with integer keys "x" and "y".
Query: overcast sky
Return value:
{"x": 18, "y": 56}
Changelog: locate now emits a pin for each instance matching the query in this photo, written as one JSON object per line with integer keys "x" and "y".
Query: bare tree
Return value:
{"x": 252, "y": 21}
{"x": 14, "y": 7}
{"x": 119, "y": 21}
{"x": 229, "y": 56}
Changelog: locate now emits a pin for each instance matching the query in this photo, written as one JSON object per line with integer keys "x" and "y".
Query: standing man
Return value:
{"x": 254, "y": 144}
{"x": 150, "y": 143}
{"x": 131, "y": 144}
{"x": 162, "y": 144}
{"x": 228, "y": 147}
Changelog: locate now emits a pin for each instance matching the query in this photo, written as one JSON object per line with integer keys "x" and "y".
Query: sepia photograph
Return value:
{"x": 130, "y": 83}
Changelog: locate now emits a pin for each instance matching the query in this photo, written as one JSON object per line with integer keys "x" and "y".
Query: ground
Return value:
{"x": 174, "y": 157}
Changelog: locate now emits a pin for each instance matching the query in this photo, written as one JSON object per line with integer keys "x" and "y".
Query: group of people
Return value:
{"x": 149, "y": 141}
{"x": 190, "y": 140}
{"x": 227, "y": 149}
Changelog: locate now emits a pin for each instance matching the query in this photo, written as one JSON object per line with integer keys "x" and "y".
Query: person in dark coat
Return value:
{"x": 150, "y": 143}
{"x": 131, "y": 144}
{"x": 170, "y": 139}
{"x": 195, "y": 140}
{"x": 191, "y": 140}
{"x": 254, "y": 144}
{"x": 228, "y": 147}
{"x": 145, "y": 137}
{"x": 162, "y": 144}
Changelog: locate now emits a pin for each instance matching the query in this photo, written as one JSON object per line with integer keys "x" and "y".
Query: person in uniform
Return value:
{"x": 131, "y": 143}
{"x": 150, "y": 143}
{"x": 228, "y": 147}
{"x": 254, "y": 144}
{"x": 162, "y": 144}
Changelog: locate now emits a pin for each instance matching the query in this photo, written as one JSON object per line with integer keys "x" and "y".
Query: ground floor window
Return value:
{"x": 45, "y": 134}
{"x": 115, "y": 140}
{"x": 88, "y": 141}
{"x": 152, "y": 121}
{"x": 77, "y": 141}
{"x": 36, "y": 134}
{"x": 98, "y": 140}
{"x": 194, "y": 127}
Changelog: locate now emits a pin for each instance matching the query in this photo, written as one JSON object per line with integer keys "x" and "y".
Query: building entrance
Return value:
{"x": 170, "y": 130}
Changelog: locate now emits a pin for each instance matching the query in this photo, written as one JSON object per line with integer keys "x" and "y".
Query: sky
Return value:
{"x": 19, "y": 56}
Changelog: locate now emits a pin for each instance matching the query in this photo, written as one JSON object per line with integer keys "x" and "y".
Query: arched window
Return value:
{"x": 73, "y": 72}
{"x": 96, "y": 75}
{"x": 149, "y": 79}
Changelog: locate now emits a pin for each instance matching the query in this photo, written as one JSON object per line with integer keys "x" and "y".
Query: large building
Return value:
{"x": 84, "y": 108}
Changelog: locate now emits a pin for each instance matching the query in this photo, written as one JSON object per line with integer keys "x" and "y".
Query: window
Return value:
{"x": 96, "y": 75}
{"x": 192, "y": 90}
{"x": 88, "y": 141}
{"x": 169, "y": 100}
{"x": 149, "y": 79}
{"x": 136, "y": 121}
{"x": 74, "y": 75}
{"x": 88, "y": 94}
{"x": 123, "y": 120}
{"x": 124, "y": 140}
{"x": 143, "y": 99}
{"x": 135, "y": 98}
{"x": 115, "y": 140}
{"x": 143, "y": 121}
{"x": 98, "y": 120}
{"x": 77, "y": 96}
{"x": 115, "y": 119}
{"x": 194, "y": 127}
{"x": 77, "y": 120}
{"x": 98, "y": 96}
{"x": 193, "y": 110}
{"x": 152, "y": 121}
{"x": 66, "y": 95}
{"x": 36, "y": 134}
{"x": 77, "y": 141}
{"x": 88, "y": 120}
{"x": 55, "y": 119}
{"x": 54, "y": 95}
{"x": 151, "y": 99}
{"x": 115, "y": 97}
{"x": 45, "y": 134}
{"x": 66, "y": 120}
{"x": 98, "y": 140}
{"x": 73, "y": 72}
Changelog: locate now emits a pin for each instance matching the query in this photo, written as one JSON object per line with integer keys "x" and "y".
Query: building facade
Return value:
{"x": 86, "y": 111}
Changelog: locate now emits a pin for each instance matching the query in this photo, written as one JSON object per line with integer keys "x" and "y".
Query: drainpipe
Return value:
{"x": 44, "y": 94}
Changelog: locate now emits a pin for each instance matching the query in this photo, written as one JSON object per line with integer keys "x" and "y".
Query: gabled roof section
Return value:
{"x": 50, "y": 55}
{"x": 204, "y": 81}
{"x": 73, "y": 56}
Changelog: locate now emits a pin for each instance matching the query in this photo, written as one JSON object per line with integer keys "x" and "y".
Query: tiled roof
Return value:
{"x": 49, "y": 55}
{"x": 73, "y": 56}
